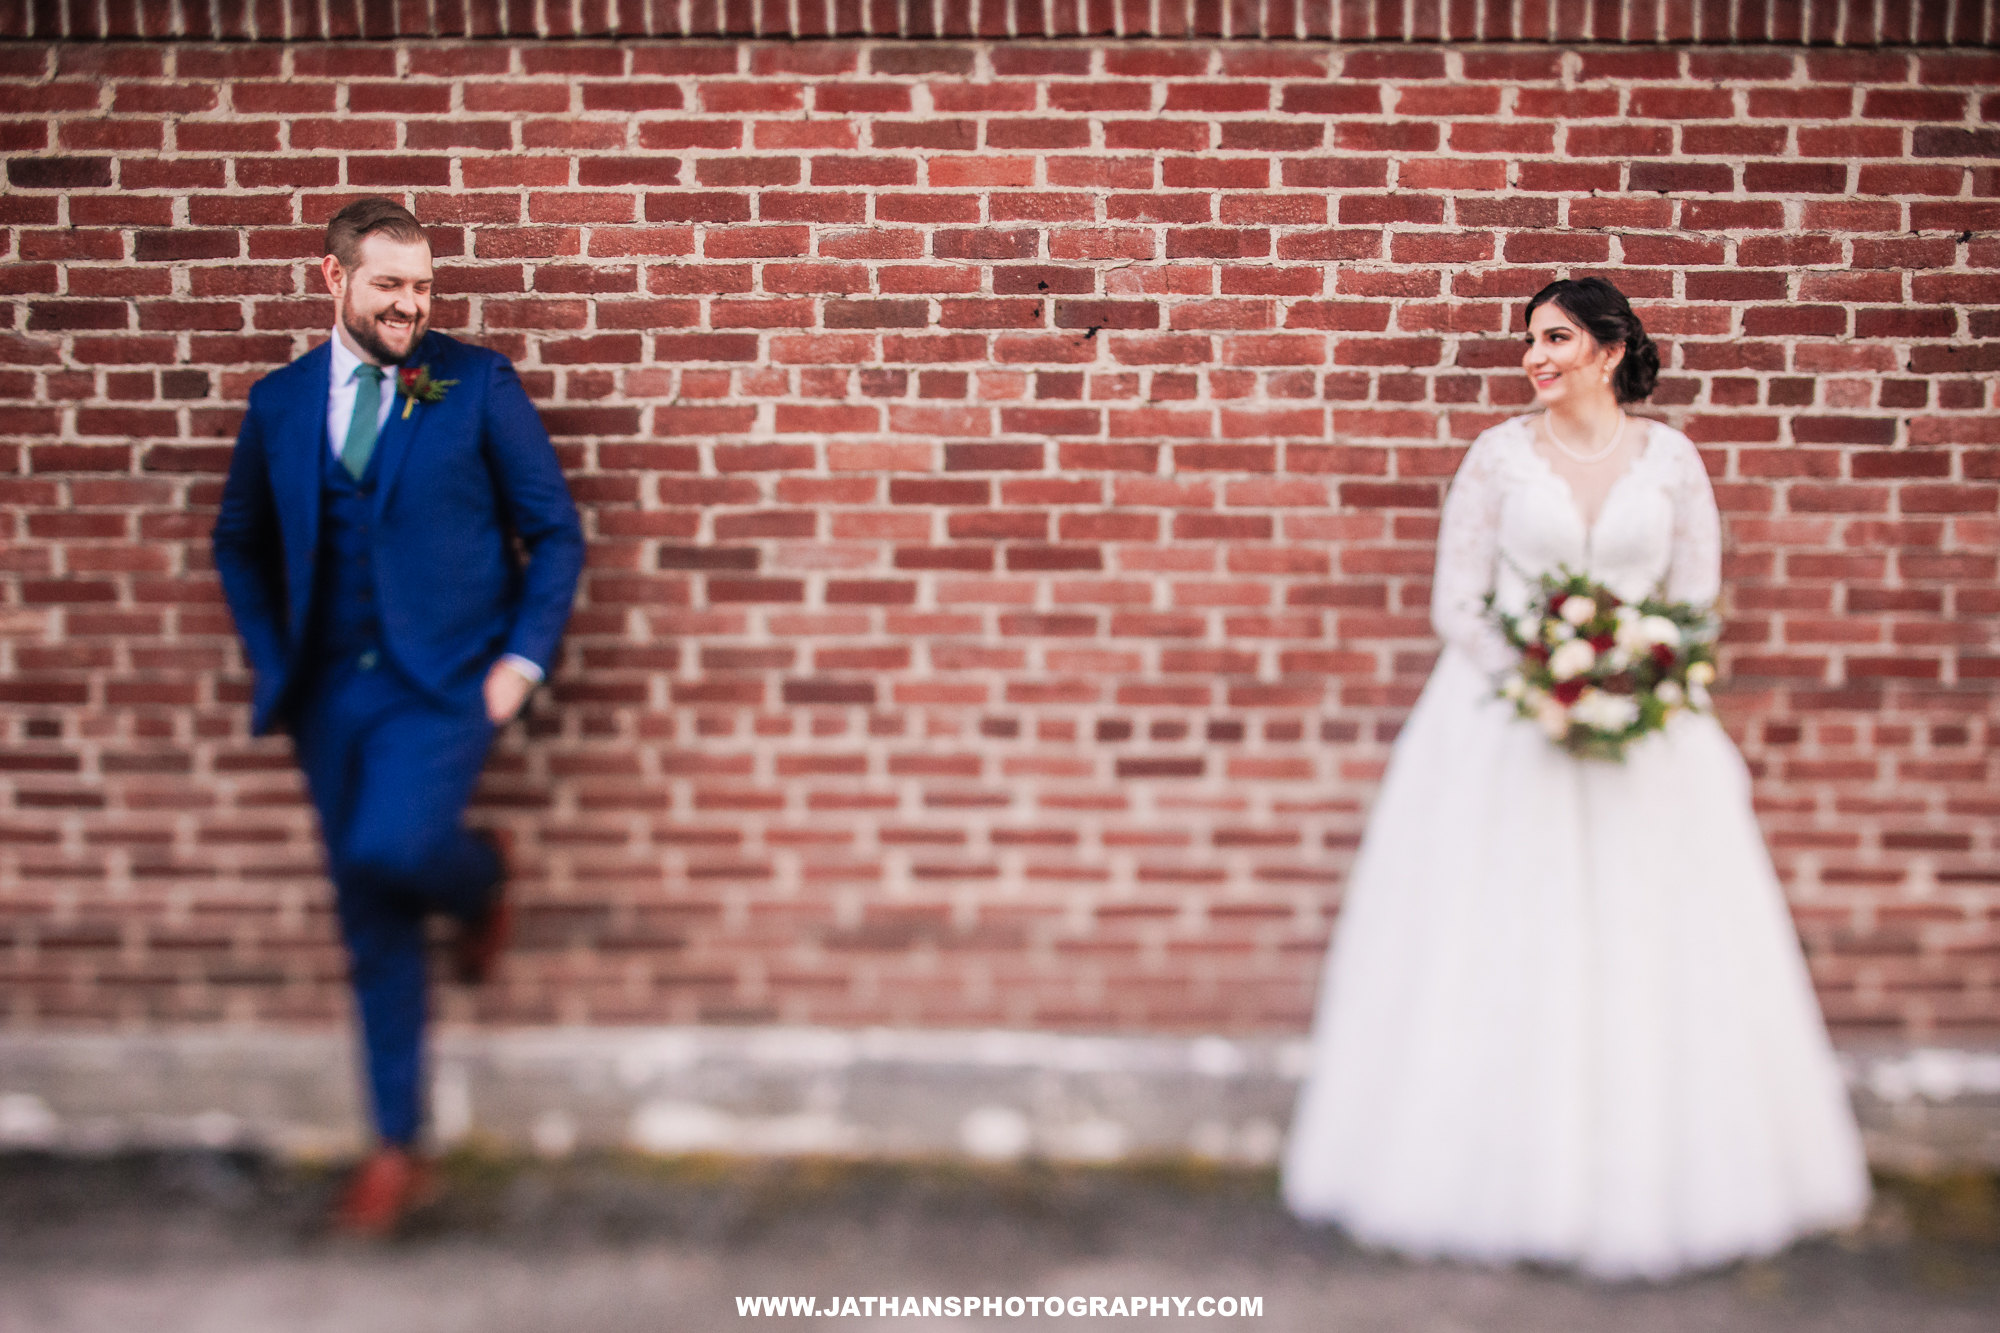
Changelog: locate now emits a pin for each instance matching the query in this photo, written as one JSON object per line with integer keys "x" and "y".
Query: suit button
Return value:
{"x": 368, "y": 660}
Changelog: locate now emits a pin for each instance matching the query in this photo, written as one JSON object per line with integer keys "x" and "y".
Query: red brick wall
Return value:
{"x": 1011, "y": 473}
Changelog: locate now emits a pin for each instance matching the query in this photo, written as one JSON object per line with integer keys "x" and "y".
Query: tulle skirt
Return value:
{"x": 1566, "y": 1017}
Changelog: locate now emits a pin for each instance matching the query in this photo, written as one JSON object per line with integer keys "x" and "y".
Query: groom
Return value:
{"x": 367, "y": 543}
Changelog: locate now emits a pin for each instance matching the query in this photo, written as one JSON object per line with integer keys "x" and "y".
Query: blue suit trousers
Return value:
{"x": 390, "y": 771}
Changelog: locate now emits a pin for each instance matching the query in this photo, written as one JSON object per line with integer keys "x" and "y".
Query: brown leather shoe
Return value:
{"x": 384, "y": 1190}
{"x": 481, "y": 940}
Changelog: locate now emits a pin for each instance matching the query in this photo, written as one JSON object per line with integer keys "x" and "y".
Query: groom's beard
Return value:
{"x": 366, "y": 332}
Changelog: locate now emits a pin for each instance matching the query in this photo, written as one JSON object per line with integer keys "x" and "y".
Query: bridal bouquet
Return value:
{"x": 1598, "y": 673}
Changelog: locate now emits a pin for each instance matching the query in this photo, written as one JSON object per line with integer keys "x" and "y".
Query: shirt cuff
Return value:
{"x": 523, "y": 665}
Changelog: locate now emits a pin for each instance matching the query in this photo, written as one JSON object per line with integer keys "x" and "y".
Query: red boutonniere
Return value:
{"x": 418, "y": 387}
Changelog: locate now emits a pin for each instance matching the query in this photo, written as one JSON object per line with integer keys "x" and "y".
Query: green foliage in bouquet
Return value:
{"x": 1597, "y": 673}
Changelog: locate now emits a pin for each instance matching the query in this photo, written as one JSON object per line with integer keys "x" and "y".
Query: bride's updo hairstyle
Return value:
{"x": 1604, "y": 312}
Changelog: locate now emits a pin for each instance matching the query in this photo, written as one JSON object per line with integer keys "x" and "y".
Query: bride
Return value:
{"x": 1566, "y": 1018}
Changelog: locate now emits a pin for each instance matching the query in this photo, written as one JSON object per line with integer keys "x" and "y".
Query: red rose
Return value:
{"x": 1556, "y": 603}
{"x": 1663, "y": 657}
{"x": 1601, "y": 642}
{"x": 408, "y": 376}
{"x": 1536, "y": 652}
{"x": 1568, "y": 691}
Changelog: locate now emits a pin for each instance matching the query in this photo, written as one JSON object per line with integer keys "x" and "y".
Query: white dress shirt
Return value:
{"x": 340, "y": 415}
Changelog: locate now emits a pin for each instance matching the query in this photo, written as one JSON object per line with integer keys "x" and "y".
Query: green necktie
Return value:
{"x": 361, "y": 430}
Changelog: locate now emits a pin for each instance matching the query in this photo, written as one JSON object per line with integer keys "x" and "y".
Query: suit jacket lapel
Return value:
{"x": 406, "y": 418}
{"x": 296, "y": 454}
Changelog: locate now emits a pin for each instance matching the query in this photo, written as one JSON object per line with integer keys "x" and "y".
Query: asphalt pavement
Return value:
{"x": 221, "y": 1243}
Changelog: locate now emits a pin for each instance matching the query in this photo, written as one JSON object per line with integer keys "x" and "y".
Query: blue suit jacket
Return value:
{"x": 457, "y": 481}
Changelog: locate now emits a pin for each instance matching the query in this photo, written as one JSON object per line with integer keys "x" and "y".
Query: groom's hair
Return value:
{"x": 364, "y": 216}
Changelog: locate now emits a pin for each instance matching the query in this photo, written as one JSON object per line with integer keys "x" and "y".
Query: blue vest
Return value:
{"x": 345, "y": 622}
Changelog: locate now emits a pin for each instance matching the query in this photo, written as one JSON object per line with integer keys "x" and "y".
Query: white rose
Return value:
{"x": 1579, "y": 610}
{"x": 1572, "y": 659}
{"x": 1513, "y": 688}
{"x": 1527, "y": 627}
{"x": 1605, "y": 712}
{"x": 1631, "y": 638}
{"x": 1701, "y": 673}
{"x": 1659, "y": 629}
{"x": 1670, "y": 694}
{"x": 1552, "y": 716}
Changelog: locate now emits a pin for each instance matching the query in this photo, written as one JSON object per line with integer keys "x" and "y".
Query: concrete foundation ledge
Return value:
{"x": 791, "y": 1091}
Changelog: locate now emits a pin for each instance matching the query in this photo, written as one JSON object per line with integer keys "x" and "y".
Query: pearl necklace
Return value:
{"x": 1549, "y": 424}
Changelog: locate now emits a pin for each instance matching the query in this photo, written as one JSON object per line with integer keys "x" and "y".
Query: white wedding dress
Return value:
{"x": 1566, "y": 1017}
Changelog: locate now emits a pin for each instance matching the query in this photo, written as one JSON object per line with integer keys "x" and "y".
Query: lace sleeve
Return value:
{"x": 1695, "y": 574}
{"x": 1467, "y": 554}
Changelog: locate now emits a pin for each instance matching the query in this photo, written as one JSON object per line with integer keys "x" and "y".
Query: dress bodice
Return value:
{"x": 1510, "y": 518}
